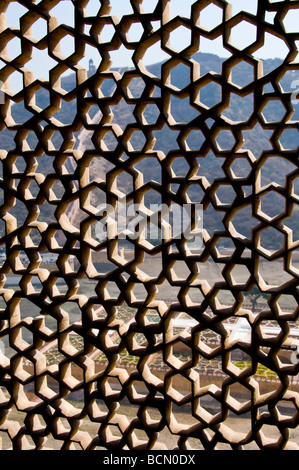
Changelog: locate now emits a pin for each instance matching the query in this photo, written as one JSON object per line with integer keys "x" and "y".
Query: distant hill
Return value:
{"x": 212, "y": 167}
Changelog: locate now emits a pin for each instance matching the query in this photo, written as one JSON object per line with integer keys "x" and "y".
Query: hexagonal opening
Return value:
{"x": 67, "y": 45}
{"x": 271, "y": 240}
{"x": 150, "y": 316}
{"x": 36, "y": 423}
{"x": 270, "y": 435}
{"x": 273, "y": 204}
{"x": 26, "y": 442}
{"x": 138, "y": 141}
{"x": 135, "y": 32}
{"x": 210, "y": 94}
{"x": 136, "y": 87}
{"x": 124, "y": 182}
{"x": 240, "y": 167}
{"x": 139, "y": 438}
{"x": 139, "y": 292}
{"x": 94, "y": 116}
{"x": 180, "y": 38}
{"x": 20, "y": 164}
{"x": 35, "y": 237}
{"x": 107, "y": 87}
{"x": 180, "y": 166}
{"x": 107, "y": 33}
{"x": 179, "y": 271}
{"x": 97, "y": 199}
{"x": 225, "y": 140}
{"x": 243, "y": 35}
{"x": 14, "y": 48}
{"x": 226, "y": 194}
{"x": 208, "y": 408}
{"x": 287, "y": 409}
{"x": 195, "y": 139}
{"x": 288, "y": 302}
{"x": 225, "y": 246}
{"x": 112, "y": 386}
{"x": 241, "y": 361}
{"x": 289, "y": 139}
{"x": 139, "y": 390}
{"x": 178, "y": 388}
{"x": 111, "y": 291}
{"x": 180, "y": 76}
{"x": 107, "y": 143}
{"x": 57, "y": 188}
{"x": 240, "y": 274}
{"x": 16, "y": 82}
{"x": 194, "y": 194}
{"x": 57, "y": 239}
{"x": 193, "y": 296}
{"x": 273, "y": 111}
{"x": 180, "y": 356}
{"x": 270, "y": 330}
{"x": 242, "y": 74}
{"x": 151, "y": 113}
{"x": 210, "y": 17}
{"x": 225, "y": 299}
{"x": 207, "y": 342}
{"x": 240, "y": 393}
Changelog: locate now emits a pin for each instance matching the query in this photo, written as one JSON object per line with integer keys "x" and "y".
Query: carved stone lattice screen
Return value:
{"x": 140, "y": 343}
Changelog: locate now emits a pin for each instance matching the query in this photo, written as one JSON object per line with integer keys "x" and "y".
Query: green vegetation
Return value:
{"x": 262, "y": 371}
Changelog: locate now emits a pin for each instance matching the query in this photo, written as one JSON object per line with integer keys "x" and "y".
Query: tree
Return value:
{"x": 254, "y": 295}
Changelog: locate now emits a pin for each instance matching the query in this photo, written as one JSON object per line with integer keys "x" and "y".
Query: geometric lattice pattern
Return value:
{"x": 132, "y": 344}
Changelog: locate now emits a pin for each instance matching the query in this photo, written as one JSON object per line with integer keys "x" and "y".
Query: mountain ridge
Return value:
{"x": 212, "y": 163}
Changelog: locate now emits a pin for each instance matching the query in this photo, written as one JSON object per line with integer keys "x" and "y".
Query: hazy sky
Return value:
{"x": 242, "y": 35}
